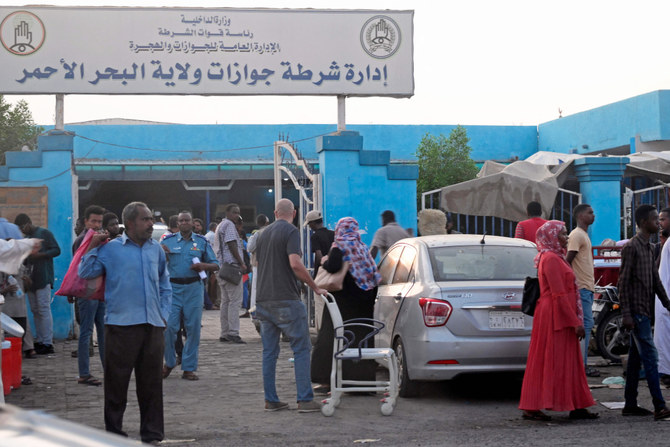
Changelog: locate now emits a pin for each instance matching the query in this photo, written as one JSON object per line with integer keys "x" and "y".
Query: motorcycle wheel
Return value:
{"x": 610, "y": 337}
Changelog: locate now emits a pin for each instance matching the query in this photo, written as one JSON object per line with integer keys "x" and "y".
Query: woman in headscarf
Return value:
{"x": 555, "y": 378}
{"x": 355, "y": 300}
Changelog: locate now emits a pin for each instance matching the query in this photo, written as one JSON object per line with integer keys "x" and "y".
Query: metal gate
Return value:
{"x": 497, "y": 226}
{"x": 289, "y": 164}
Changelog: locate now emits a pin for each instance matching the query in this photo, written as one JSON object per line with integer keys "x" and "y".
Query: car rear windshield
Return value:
{"x": 482, "y": 262}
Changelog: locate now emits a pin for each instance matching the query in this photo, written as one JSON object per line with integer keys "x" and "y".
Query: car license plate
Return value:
{"x": 506, "y": 320}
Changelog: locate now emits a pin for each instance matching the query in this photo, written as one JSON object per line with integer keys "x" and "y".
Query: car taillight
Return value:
{"x": 443, "y": 362}
{"x": 435, "y": 312}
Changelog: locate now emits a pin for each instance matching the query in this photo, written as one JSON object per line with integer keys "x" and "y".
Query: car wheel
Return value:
{"x": 407, "y": 387}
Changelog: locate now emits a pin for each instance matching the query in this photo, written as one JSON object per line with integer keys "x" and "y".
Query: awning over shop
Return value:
{"x": 654, "y": 165}
{"x": 504, "y": 190}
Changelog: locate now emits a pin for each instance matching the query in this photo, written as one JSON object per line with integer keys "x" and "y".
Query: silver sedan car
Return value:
{"x": 452, "y": 305}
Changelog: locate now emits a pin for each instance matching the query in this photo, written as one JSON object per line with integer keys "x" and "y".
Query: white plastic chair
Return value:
{"x": 342, "y": 350}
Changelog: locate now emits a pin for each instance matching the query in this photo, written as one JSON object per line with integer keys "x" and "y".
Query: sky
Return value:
{"x": 484, "y": 62}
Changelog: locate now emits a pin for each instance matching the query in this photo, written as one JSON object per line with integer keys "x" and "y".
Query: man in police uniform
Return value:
{"x": 182, "y": 249}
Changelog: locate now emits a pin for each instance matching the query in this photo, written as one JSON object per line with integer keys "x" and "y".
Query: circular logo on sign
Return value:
{"x": 22, "y": 33}
{"x": 380, "y": 37}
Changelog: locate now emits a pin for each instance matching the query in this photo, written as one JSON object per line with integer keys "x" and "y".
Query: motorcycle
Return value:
{"x": 612, "y": 339}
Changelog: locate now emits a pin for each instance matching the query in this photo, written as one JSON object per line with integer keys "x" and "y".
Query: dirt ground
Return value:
{"x": 225, "y": 407}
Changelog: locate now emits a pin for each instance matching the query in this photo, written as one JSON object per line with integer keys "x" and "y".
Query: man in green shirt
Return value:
{"x": 42, "y": 277}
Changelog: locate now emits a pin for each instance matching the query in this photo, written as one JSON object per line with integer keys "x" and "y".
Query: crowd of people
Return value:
{"x": 155, "y": 292}
{"x": 556, "y": 369}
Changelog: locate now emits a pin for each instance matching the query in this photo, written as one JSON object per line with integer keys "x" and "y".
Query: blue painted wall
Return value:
{"x": 208, "y": 142}
{"x": 356, "y": 182}
{"x": 362, "y": 184}
{"x": 602, "y": 128}
{"x": 500, "y": 143}
{"x": 50, "y": 166}
{"x": 609, "y": 126}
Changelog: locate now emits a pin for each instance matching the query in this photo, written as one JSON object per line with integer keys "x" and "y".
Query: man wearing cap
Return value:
{"x": 322, "y": 238}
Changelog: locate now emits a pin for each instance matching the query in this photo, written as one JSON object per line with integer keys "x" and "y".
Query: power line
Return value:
{"x": 194, "y": 151}
{"x": 40, "y": 180}
{"x": 53, "y": 176}
{"x": 156, "y": 150}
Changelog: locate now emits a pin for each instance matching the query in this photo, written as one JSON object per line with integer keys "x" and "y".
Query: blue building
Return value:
{"x": 364, "y": 171}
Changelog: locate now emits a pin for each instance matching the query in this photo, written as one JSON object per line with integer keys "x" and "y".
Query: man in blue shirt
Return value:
{"x": 138, "y": 297}
{"x": 8, "y": 230}
{"x": 183, "y": 249}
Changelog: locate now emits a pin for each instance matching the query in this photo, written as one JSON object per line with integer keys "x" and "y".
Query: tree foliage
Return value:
{"x": 17, "y": 127}
{"x": 444, "y": 160}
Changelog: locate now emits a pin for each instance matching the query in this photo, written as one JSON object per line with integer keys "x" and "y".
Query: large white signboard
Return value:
{"x": 205, "y": 51}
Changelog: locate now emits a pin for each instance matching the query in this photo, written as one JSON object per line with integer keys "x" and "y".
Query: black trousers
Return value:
{"x": 359, "y": 306}
{"x": 139, "y": 347}
{"x": 181, "y": 333}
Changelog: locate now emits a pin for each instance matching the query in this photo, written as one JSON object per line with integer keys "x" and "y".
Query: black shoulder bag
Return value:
{"x": 227, "y": 271}
{"x": 531, "y": 293}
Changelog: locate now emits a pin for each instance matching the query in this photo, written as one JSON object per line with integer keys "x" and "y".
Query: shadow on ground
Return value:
{"x": 479, "y": 387}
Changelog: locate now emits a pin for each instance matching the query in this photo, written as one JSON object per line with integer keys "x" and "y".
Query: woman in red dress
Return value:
{"x": 555, "y": 378}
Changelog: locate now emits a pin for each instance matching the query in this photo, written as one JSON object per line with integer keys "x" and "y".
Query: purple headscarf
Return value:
{"x": 362, "y": 267}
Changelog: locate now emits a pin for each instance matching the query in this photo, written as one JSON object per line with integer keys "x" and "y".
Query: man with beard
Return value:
{"x": 138, "y": 297}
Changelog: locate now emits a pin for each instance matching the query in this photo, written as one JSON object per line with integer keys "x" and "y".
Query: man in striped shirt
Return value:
{"x": 228, "y": 248}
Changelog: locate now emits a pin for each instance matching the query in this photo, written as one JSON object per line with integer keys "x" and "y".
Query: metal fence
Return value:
{"x": 658, "y": 195}
{"x": 497, "y": 226}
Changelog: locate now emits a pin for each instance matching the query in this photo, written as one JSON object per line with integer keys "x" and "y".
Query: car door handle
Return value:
{"x": 398, "y": 297}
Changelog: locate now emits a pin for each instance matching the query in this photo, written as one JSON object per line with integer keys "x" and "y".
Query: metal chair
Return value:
{"x": 343, "y": 350}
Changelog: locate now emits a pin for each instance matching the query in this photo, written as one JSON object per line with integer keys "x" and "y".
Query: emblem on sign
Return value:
{"x": 22, "y": 33}
{"x": 380, "y": 37}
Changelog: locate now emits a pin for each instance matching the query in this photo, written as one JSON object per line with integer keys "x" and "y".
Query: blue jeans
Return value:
{"x": 186, "y": 301}
{"x": 245, "y": 295}
{"x": 40, "y": 306}
{"x": 289, "y": 317}
{"x": 587, "y": 306}
{"x": 642, "y": 350}
{"x": 90, "y": 312}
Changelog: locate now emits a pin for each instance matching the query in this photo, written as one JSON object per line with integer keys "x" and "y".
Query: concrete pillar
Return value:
{"x": 600, "y": 184}
{"x": 51, "y": 165}
{"x": 363, "y": 183}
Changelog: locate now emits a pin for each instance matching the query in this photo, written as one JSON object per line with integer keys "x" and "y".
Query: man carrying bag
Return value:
{"x": 229, "y": 254}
